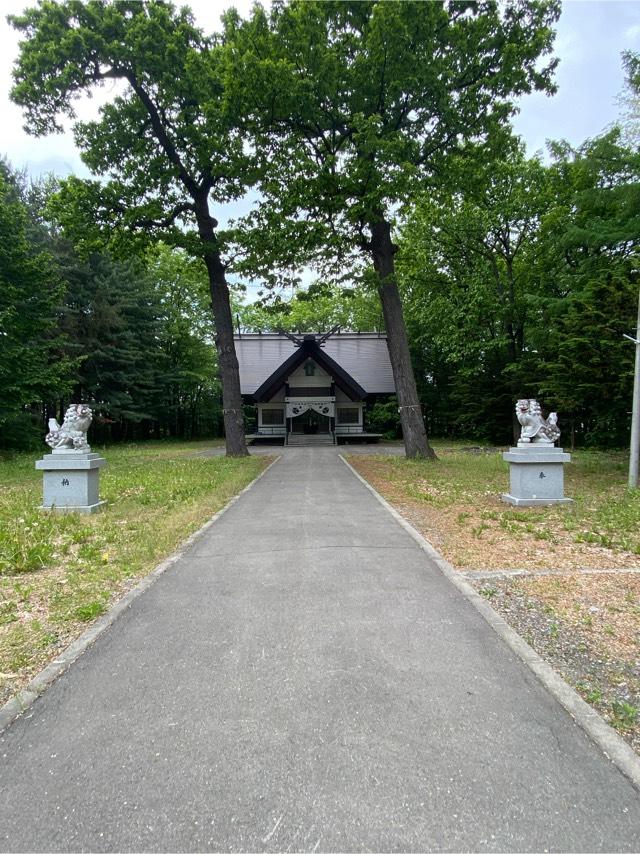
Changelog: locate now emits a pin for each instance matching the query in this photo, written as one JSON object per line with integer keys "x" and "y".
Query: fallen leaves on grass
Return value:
{"x": 455, "y": 503}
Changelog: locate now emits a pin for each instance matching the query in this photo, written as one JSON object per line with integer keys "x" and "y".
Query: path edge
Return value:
{"x": 25, "y": 698}
{"x": 593, "y": 724}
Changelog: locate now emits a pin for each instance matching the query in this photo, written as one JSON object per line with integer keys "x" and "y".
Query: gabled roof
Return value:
{"x": 309, "y": 349}
{"x": 363, "y": 358}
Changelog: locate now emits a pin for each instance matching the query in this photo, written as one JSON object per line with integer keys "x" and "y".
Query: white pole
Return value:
{"x": 635, "y": 412}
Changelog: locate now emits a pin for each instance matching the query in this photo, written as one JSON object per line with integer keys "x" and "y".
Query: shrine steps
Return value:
{"x": 317, "y": 439}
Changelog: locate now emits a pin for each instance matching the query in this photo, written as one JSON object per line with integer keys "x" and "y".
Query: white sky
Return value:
{"x": 591, "y": 36}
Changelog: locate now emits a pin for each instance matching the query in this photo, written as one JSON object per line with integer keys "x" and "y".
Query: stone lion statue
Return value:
{"x": 73, "y": 433}
{"x": 535, "y": 428}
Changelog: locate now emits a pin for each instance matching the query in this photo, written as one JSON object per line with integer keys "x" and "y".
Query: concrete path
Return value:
{"x": 305, "y": 680}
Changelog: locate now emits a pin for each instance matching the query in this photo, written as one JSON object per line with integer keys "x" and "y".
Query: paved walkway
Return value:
{"x": 305, "y": 680}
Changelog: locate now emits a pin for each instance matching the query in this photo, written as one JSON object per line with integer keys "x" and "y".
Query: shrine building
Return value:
{"x": 313, "y": 388}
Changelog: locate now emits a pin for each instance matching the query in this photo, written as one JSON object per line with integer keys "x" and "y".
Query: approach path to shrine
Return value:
{"x": 305, "y": 679}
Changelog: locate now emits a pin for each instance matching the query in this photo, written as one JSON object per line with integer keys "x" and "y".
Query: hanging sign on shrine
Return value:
{"x": 322, "y": 407}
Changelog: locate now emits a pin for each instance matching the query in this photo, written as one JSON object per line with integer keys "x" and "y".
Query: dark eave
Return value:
{"x": 309, "y": 349}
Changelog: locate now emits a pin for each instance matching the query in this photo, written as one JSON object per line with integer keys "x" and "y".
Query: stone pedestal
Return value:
{"x": 537, "y": 475}
{"x": 71, "y": 481}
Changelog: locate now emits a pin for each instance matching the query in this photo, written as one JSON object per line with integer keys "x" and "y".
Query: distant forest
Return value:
{"x": 131, "y": 334}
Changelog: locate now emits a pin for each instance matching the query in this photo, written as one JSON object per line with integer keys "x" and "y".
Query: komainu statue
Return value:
{"x": 73, "y": 433}
{"x": 535, "y": 428}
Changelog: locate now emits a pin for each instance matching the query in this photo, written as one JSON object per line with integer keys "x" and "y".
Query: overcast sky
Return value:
{"x": 591, "y": 36}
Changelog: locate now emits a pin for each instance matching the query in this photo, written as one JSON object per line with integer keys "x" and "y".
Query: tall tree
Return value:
{"x": 166, "y": 143}
{"x": 355, "y": 104}
{"x": 112, "y": 317}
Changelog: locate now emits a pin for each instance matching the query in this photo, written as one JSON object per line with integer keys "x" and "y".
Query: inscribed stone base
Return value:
{"x": 71, "y": 482}
{"x": 536, "y": 475}
{"x": 82, "y": 508}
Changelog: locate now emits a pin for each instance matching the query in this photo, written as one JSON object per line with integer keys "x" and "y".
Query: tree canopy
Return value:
{"x": 129, "y": 336}
{"x": 166, "y": 144}
{"x": 354, "y": 105}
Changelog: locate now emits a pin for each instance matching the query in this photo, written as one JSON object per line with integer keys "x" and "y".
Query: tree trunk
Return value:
{"x": 227, "y": 362}
{"x": 415, "y": 436}
{"x": 227, "y": 359}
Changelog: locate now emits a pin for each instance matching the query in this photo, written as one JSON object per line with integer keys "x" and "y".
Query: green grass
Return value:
{"x": 604, "y": 512}
{"x": 591, "y": 695}
{"x": 58, "y": 572}
{"x": 624, "y": 715}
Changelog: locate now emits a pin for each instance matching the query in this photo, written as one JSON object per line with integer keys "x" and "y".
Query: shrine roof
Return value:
{"x": 362, "y": 356}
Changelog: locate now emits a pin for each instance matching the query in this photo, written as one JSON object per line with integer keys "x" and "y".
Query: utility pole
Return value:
{"x": 635, "y": 410}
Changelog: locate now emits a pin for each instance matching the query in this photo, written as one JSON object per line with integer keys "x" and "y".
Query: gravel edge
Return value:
{"x": 19, "y": 704}
{"x": 611, "y": 744}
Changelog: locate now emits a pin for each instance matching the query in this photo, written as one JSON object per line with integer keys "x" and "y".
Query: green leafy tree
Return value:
{"x": 190, "y": 390}
{"x": 356, "y": 105}
{"x": 321, "y": 307}
{"x": 384, "y": 418}
{"x": 523, "y": 286}
{"x": 32, "y": 365}
{"x": 470, "y": 272}
{"x": 594, "y": 239}
{"x": 166, "y": 144}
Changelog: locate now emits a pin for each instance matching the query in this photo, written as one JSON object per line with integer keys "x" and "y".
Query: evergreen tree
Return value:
{"x": 32, "y": 367}
{"x": 112, "y": 322}
{"x": 594, "y": 239}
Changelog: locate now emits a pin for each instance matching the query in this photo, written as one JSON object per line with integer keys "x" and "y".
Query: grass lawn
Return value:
{"x": 59, "y": 572}
{"x": 585, "y": 623}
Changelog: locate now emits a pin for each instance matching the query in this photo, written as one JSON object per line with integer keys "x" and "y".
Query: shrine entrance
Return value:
{"x": 309, "y": 416}
{"x": 310, "y": 423}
